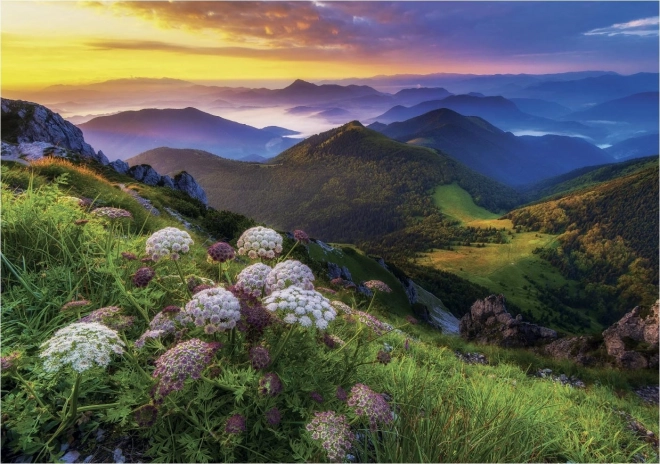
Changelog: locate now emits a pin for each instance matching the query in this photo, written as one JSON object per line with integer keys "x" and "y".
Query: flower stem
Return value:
{"x": 97, "y": 407}
{"x": 74, "y": 399}
{"x": 31, "y": 390}
{"x": 183, "y": 279}
{"x": 281, "y": 345}
{"x": 287, "y": 255}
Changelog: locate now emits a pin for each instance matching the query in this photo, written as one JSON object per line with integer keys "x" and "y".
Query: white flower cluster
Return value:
{"x": 215, "y": 309}
{"x": 168, "y": 241}
{"x": 81, "y": 346}
{"x": 252, "y": 279}
{"x": 289, "y": 273}
{"x": 260, "y": 242}
{"x": 305, "y": 307}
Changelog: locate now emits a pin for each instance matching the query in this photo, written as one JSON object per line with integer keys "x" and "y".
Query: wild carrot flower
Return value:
{"x": 301, "y": 236}
{"x": 163, "y": 323}
{"x": 326, "y": 290}
{"x": 367, "y": 403}
{"x": 341, "y": 394}
{"x": 221, "y": 252}
{"x": 259, "y": 357}
{"x": 383, "y": 357}
{"x": 169, "y": 241}
{"x": 334, "y": 432}
{"x": 215, "y": 309}
{"x": 378, "y": 285}
{"x": 270, "y": 384}
{"x": 81, "y": 346}
{"x": 109, "y": 316}
{"x": 289, "y": 273}
{"x": 186, "y": 360}
{"x": 338, "y": 281}
{"x": 143, "y": 276}
{"x": 128, "y": 256}
{"x": 305, "y": 307}
{"x": 10, "y": 361}
{"x": 332, "y": 341}
{"x": 235, "y": 424}
{"x": 74, "y": 304}
{"x": 252, "y": 279}
{"x": 273, "y": 417}
{"x": 200, "y": 288}
{"x": 340, "y": 305}
{"x": 112, "y": 213}
{"x": 146, "y": 415}
{"x": 260, "y": 242}
{"x": 316, "y": 396}
{"x": 372, "y": 322}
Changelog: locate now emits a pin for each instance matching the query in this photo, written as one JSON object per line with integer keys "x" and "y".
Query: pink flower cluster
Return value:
{"x": 289, "y": 273}
{"x": 334, "y": 432}
{"x": 186, "y": 360}
{"x": 112, "y": 213}
{"x": 221, "y": 252}
{"x": 378, "y": 285}
{"x": 251, "y": 280}
{"x": 366, "y": 402}
{"x": 163, "y": 323}
{"x": 372, "y": 322}
{"x": 110, "y": 316}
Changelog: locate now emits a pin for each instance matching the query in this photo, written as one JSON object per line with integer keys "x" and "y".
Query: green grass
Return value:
{"x": 445, "y": 411}
{"x": 457, "y": 203}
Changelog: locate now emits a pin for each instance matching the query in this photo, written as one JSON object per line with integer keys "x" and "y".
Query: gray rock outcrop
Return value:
{"x": 145, "y": 174}
{"x": 166, "y": 181}
{"x": 581, "y": 350}
{"x": 489, "y": 322}
{"x": 633, "y": 340}
{"x": 26, "y": 122}
{"x": 186, "y": 183}
{"x": 120, "y": 166}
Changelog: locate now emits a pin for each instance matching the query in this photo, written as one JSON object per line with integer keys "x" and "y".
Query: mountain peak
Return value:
{"x": 300, "y": 84}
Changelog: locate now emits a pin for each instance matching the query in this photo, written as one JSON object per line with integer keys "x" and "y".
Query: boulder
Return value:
{"x": 120, "y": 166}
{"x": 334, "y": 271}
{"x": 145, "y": 174}
{"x": 581, "y": 350}
{"x": 26, "y": 122}
{"x": 633, "y": 340}
{"x": 489, "y": 322}
{"x": 166, "y": 181}
{"x": 186, "y": 183}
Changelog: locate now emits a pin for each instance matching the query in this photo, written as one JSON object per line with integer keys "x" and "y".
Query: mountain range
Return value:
{"x": 500, "y": 155}
{"x": 129, "y": 133}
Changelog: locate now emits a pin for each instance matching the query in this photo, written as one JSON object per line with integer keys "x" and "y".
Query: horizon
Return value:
{"x": 70, "y": 43}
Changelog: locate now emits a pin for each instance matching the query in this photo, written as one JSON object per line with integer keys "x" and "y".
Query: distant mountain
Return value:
{"x": 640, "y": 109}
{"x": 499, "y": 111}
{"x": 417, "y": 95}
{"x": 542, "y": 108}
{"x": 129, "y": 133}
{"x": 254, "y": 159}
{"x": 348, "y": 183}
{"x": 636, "y": 147}
{"x": 281, "y": 131}
{"x": 493, "y": 152}
{"x": 594, "y": 90}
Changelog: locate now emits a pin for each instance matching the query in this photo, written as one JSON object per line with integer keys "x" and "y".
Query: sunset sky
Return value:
{"x": 46, "y": 43}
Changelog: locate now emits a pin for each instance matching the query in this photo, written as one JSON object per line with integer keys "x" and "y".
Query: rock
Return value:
{"x": 648, "y": 394}
{"x": 563, "y": 379}
{"x": 411, "y": 290}
{"x": 120, "y": 166}
{"x": 346, "y": 274}
{"x": 577, "y": 349}
{"x": 633, "y": 340}
{"x": 489, "y": 322}
{"x": 166, "y": 181}
{"x": 70, "y": 457}
{"x": 145, "y": 174}
{"x": 334, "y": 271}
{"x": 26, "y": 122}
{"x": 471, "y": 358}
{"x": 187, "y": 184}
{"x": 118, "y": 456}
{"x": 365, "y": 291}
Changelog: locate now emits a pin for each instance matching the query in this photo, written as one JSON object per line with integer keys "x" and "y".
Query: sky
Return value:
{"x": 54, "y": 42}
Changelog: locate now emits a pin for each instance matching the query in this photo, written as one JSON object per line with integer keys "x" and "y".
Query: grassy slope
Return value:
{"x": 511, "y": 268}
{"x": 447, "y": 411}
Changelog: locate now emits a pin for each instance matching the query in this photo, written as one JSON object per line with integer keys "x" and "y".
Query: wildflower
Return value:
{"x": 169, "y": 241}
{"x": 387, "y": 347}
{"x": 257, "y": 317}
{"x": 84, "y": 202}
{"x": 260, "y": 242}
{"x": 146, "y": 415}
{"x": 301, "y": 236}
{"x": 289, "y": 273}
{"x": 411, "y": 320}
{"x": 342, "y": 306}
{"x": 74, "y": 304}
{"x": 215, "y": 309}
{"x": 383, "y": 357}
{"x": 298, "y": 305}
{"x": 326, "y": 290}
{"x": 372, "y": 322}
{"x": 148, "y": 259}
{"x": 200, "y": 288}
{"x": 221, "y": 252}
{"x": 109, "y": 316}
{"x": 378, "y": 285}
{"x": 406, "y": 345}
{"x": 273, "y": 417}
{"x": 80, "y": 346}
{"x": 270, "y": 384}
{"x": 235, "y": 424}
{"x": 332, "y": 341}
{"x": 260, "y": 357}
{"x": 163, "y": 323}
{"x": 81, "y": 222}
{"x": 128, "y": 256}
{"x": 366, "y": 402}
{"x": 143, "y": 276}
{"x": 187, "y": 359}
{"x": 252, "y": 279}
{"x": 10, "y": 361}
{"x": 334, "y": 432}
{"x": 112, "y": 213}
{"x": 316, "y": 396}
{"x": 338, "y": 281}
{"x": 341, "y": 394}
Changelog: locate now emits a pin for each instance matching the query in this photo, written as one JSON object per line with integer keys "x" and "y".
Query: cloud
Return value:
{"x": 645, "y": 27}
